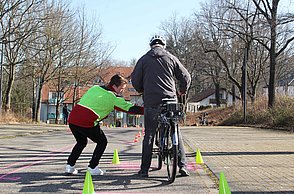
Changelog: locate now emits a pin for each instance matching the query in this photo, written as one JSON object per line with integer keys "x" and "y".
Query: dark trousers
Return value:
{"x": 151, "y": 123}
{"x": 65, "y": 119}
{"x": 81, "y": 134}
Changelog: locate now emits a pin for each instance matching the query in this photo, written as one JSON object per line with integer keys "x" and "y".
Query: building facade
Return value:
{"x": 207, "y": 99}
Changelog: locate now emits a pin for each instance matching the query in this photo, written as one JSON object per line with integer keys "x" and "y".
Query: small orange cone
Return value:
{"x": 88, "y": 184}
{"x": 136, "y": 139}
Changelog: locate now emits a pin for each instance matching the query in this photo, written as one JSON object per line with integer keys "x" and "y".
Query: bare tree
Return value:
{"x": 44, "y": 40}
{"x": 238, "y": 24}
{"x": 183, "y": 43}
{"x": 90, "y": 54}
{"x": 45, "y": 47}
{"x": 78, "y": 66}
{"x": 269, "y": 9}
{"x": 66, "y": 36}
{"x": 216, "y": 38}
{"x": 17, "y": 27}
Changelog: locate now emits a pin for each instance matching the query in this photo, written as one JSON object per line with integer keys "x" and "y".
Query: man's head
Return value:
{"x": 157, "y": 40}
{"x": 118, "y": 83}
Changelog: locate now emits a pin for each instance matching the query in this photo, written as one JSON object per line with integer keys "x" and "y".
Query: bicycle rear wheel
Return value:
{"x": 171, "y": 156}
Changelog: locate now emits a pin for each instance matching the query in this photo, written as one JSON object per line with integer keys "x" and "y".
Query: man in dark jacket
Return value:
{"x": 154, "y": 75}
{"x": 65, "y": 113}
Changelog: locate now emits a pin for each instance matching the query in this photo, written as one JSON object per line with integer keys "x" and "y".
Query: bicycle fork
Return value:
{"x": 174, "y": 131}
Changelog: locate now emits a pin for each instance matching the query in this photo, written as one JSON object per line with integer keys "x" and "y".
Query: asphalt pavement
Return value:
{"x": 252, "y": 160}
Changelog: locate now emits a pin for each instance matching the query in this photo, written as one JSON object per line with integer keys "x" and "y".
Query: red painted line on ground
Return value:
{"x": 192, "y": 166}
{"x": 50, "y": 156}
{"x": 129, "y": 166}
{"x": 24, "y": 160}
{"x": 11, "y": 178}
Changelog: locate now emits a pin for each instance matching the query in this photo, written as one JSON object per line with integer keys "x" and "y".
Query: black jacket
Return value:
{"x": 155, "y": 73}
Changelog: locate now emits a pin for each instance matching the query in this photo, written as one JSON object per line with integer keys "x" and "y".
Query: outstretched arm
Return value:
{"x": 135, "y": 110}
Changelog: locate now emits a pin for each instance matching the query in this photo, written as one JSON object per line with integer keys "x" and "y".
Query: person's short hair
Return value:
{"x": 117, "y": 80}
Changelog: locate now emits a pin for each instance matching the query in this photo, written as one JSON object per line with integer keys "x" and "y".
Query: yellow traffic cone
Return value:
{"x": 199, "y": 159}
{"x": 223, "y": 184}
{"x": 88, "y": 184}
{"x": 115, "y": 159}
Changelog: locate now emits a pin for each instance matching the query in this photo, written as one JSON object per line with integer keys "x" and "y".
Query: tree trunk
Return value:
{"x": 217, "y": 96}
{"x": 34, "y": 102}
{"x": 234, "y": 94}
{"x": 38, "y": 100}
{"x": 272, "y": 77}
{"x": 74, "y": 95}
{"x": 57, "y": 113}
{"x": 9, "y": 89}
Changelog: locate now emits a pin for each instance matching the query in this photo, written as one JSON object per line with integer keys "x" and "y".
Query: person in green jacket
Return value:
{"x": 94, "y": 106}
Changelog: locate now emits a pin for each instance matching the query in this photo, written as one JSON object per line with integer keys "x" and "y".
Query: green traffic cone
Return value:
{"x": 199, "y": 159}
{"x": 88, "y": 184}
{"x": 223, "y": 185}
{"x": 115, "y": 159}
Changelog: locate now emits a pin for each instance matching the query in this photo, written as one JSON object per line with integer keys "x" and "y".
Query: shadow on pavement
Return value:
{"x": 42, "y": 182}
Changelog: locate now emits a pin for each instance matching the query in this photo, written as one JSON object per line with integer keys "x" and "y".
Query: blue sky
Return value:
{"x": 129, "y": 24}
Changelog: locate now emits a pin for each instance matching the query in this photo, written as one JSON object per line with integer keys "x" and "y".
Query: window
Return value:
{"x": 220, "y": 96}
{"x": 54, "y": 96}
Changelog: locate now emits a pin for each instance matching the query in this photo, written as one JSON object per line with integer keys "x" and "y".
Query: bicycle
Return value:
{"x": 167, "y": 136}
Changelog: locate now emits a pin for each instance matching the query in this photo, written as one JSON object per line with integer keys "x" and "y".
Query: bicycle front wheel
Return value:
{"x": 171, "y": 158}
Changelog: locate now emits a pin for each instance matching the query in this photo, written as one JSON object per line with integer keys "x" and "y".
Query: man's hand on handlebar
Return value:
{"x": 181, "y": 97}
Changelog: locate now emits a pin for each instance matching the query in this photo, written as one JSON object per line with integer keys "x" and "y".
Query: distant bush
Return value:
{"x": 283, "y": 113}
{"x": 281, "y": 116}
{"x": 13, "y": 118}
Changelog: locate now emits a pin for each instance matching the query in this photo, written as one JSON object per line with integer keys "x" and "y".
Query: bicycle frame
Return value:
{"x": 168, "y": 119}
{"x": 171, "y": 114}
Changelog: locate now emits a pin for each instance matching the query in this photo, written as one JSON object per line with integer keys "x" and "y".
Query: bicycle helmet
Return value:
{"x": 157, "y": 40}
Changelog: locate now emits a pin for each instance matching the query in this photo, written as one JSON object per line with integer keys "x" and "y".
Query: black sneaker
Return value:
{"x": 184, "y": 172}
{"x": 143, "y": 174}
